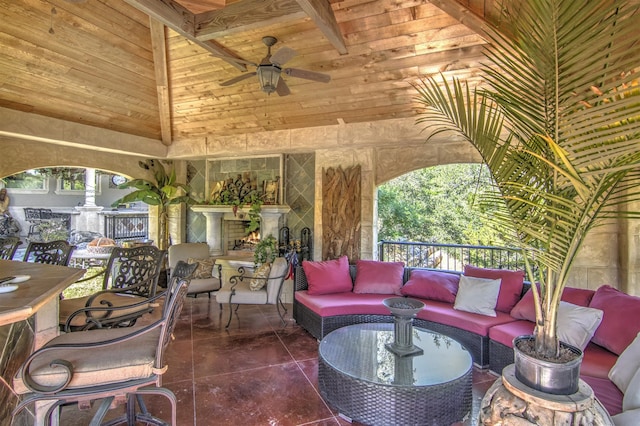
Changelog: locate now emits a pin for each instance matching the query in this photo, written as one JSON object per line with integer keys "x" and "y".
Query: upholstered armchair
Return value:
{"x": 116, "y": 366}
{"x": 208, "y": 276}
{"x": 258, "y": 289}
{"x": 130, "y": 281}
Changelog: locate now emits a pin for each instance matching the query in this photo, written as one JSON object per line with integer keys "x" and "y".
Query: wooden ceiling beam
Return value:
{"x": 159, "y": 47}
{"x": 321, "y": 13}
{"x": 245, "y": 15}
{"x": 182, "y": 21}
{"x": 465, "y": 16}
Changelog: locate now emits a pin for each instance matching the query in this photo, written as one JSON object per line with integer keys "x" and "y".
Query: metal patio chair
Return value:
{"x": 130, "y": 282}
{"x": 115, "y": 366}
{"x": 238, "y": 290}
{"x": 52, "y": 252}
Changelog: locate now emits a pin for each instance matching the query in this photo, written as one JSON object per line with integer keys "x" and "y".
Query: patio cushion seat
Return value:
{"x": 505, "y": 333}
{"x": 69, "y": 306}
{"x": 327, "y": 305}
{"x": 202, "y": 285}
{"x": 606, "y": 392}
{"x": 443, "y": 313}
{"x": 597, "y": 361}
{"x": 121, "y": 362}
{"x": 248, "y": 296}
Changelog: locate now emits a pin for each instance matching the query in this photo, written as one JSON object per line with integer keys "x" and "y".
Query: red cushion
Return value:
{"x": 510, "y": 286}
{"x": 443, "y": 313}
{"x": 525, "y": 310}
{"x": 505, "y": 333}
{"x": 377, "y": 277}
{"x": 327, "y": 305}
{"x": 606, "y": 392}
{"x": 329, "y": 276}
{"x": 432, "y": 285}
{"x": 621, "y": 320}
{"x": 597, "y": 361}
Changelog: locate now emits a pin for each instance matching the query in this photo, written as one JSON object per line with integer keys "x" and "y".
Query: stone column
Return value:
{"x": 89, "y": 187}
{"x": 88, "y": 220}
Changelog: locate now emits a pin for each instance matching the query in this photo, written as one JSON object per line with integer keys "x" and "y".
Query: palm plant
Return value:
{"x": 558, "y": 124}
{"x": 164, "y": 192}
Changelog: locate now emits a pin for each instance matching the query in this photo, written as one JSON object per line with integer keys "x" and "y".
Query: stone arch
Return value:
{"x": 41, "y": 155}
{"x": 394, "y": 162}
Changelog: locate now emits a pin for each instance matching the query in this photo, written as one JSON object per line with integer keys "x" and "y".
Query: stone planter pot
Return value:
{"x": 546, "y": 376}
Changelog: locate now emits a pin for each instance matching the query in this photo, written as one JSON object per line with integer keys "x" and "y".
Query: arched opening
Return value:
{"x": 53, "y": 203}
{"x": 437, "y": 204}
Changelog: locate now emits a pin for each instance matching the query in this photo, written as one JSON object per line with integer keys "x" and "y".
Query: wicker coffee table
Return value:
{"x": 365, "y": 382}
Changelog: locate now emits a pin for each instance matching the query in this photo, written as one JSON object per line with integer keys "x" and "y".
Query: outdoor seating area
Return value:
{"x": 236, "y": 363}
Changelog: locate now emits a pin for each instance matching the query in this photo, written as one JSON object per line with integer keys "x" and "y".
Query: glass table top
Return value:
{"x": 359, "y": 351}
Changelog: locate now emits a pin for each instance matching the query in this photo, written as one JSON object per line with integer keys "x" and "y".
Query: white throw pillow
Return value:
{"x": 627, "y": 418}
{"x": 631, "y": 399}
{"x": 577, "y": 324}
{"x": 477, "y": 295}
{"x": 626, "y": 366}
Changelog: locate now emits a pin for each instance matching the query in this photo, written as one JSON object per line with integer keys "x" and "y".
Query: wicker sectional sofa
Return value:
{"x": 487, "y": 338}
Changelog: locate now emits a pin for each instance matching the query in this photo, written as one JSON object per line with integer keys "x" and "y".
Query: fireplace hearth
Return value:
{"x": 219, "y": 232}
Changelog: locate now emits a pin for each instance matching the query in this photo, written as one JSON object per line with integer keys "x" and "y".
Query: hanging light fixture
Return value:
{"x": 268, "y": 72}
{"x": 269, "y": 75}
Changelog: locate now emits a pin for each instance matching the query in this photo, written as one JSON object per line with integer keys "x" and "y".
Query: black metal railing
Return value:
{"x": 124, "y": 227}
{"x": 450, "y": 257}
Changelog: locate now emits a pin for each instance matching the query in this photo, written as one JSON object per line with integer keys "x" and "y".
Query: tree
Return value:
{"x": 436, "y": 205}
{"x": 162, "y": 192}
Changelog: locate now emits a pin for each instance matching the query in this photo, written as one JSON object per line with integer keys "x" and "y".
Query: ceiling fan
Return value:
{"x": 270, "y": 69}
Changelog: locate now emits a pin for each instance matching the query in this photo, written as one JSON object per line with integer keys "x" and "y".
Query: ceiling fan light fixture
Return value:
{"x": 268, "y": 76}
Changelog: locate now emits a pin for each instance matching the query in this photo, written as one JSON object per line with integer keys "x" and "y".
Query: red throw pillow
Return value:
{"x": 433, "y": 285}
{"x": 525, "y": 310}
{"x": 621, "y": 320}
{"x": 377, "y": 277}
{"x": 329, "y": 276}
{"x": 510, "y": 286}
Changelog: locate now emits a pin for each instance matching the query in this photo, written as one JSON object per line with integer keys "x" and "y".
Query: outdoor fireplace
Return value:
{"x": 220, "y": 232}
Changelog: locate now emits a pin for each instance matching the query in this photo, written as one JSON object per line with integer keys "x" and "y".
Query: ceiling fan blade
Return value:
{"x": 282, "y": 89}
{"x": 238, "y": 78}
{"x": 309, "y": 75}
{"x": 283, "y": 55}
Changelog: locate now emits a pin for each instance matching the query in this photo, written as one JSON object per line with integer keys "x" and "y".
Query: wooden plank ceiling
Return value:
{"x": 147, "y": 67}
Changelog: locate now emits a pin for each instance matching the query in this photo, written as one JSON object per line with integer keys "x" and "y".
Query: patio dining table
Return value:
{"x": 28, "y": 319}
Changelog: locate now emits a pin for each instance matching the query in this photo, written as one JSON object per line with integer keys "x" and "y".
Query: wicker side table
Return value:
{"x": 367, "y": 383}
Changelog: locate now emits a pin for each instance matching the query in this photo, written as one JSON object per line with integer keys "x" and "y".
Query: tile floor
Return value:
{"x": 255, "y": 373}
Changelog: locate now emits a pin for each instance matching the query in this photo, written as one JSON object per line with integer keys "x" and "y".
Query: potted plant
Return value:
{"x": 557, "y": 121}
{"x": 266, "y": 250}
{"x": 162, "y": 191}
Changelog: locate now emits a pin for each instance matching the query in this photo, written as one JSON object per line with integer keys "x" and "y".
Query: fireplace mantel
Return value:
{"x": 216, "y": 214}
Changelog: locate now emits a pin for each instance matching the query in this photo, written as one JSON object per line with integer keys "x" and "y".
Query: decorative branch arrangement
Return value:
{"x": 341, "y": 213}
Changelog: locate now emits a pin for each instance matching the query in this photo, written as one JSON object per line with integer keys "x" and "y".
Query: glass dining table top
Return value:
{"x": 359, "y": 351}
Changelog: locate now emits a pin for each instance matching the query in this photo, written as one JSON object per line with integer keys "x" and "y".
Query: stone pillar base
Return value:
{"x": 510, "y": 402}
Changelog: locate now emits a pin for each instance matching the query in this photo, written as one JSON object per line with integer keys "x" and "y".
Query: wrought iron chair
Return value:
{"x": 238, "y": 290}
{"x": 8, "y": 247}
{"x": 52, "y": 252}
{"x": 115, "y": 366}
{"x": 130, "y": 281}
